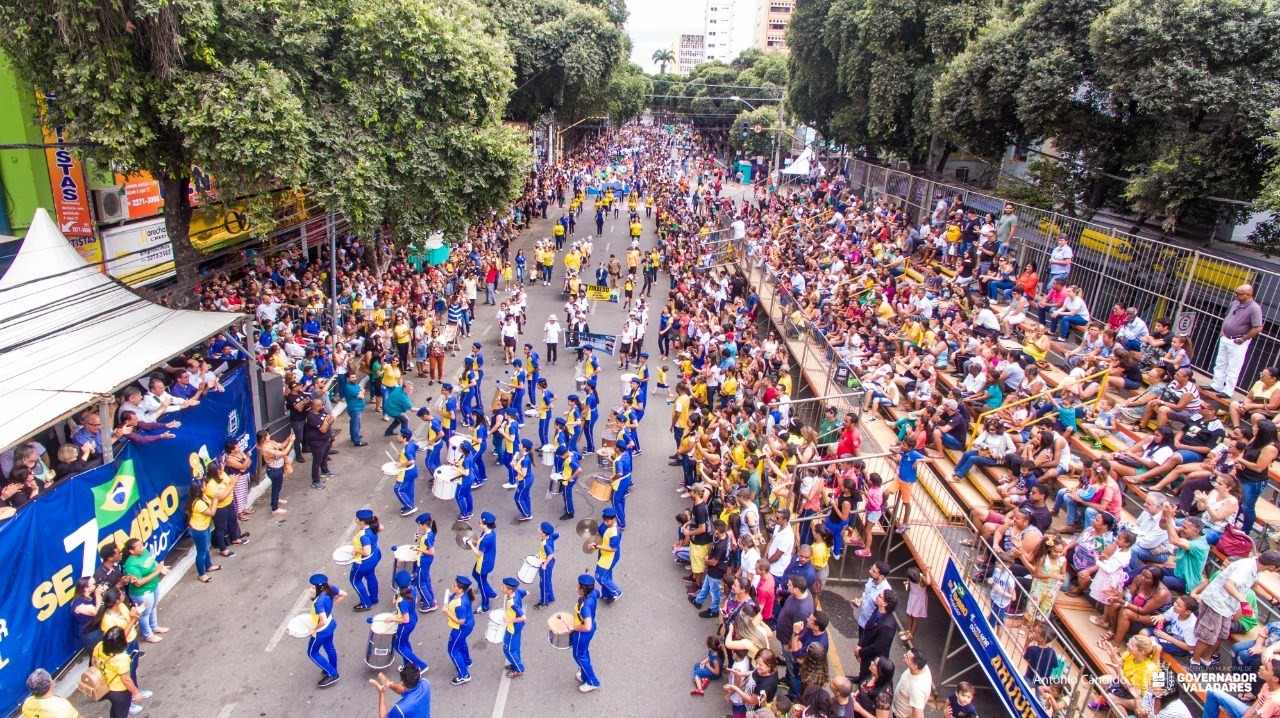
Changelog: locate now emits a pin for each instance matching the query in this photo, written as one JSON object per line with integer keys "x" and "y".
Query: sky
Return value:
{"x": 655, "y": 24}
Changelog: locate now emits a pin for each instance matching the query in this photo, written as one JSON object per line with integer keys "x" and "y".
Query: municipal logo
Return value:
{"x": 112, "y": 499}
{"x": 233, "y": 423}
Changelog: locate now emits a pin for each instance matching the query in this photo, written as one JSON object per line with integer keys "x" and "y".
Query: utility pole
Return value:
{"x": 333, "y": 276}
{"x": 777, "y": 136}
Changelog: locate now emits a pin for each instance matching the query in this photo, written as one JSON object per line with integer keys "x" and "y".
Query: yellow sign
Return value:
{"x": 598, "y": 293}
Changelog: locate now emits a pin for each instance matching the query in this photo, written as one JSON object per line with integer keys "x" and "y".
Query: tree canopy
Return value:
{"x": 703, "y": 96}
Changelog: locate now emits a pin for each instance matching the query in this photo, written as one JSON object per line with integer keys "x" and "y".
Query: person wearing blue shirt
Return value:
{"x": 478, "y": 358}
{"x": 353, "y": 394}
{"x": 907, "y": 477}
{"x": 407, "y": 478}
{"x": 545, "y": 403}
{"x": 320, "y": 645}
{"x": 466, "y": 482}
{"x": 547, "y": 555}
{"x": 590, "y": 414}
{"x": 517, "y": 396}
{"x": 414, "y": 692}
{"x": 524, "y": 481}
{"x": 621, "y": 479}
{"x": 448, "y": 410}
{"x": 514, "y": 618}
{"x": 311, "y": 327}
{"x": 632, "y": 418}
{"x": 575, "y": 419}
{"x": 425, "y": 545}
{"x": 364, "y": 565}
{"x": 608, "y": 550}
{"x": 458, "y": 616}
{"x": 480, "y": 442}
{"x": 407, "y": 619}
{"x": 584, "y": 629}
{"x": 642, "y": 372}
{"x": 486, "y": 551}
{"x": 569, "y": 465}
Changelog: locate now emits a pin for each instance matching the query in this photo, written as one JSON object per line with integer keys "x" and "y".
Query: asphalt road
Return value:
{"x": 227, "y": 654}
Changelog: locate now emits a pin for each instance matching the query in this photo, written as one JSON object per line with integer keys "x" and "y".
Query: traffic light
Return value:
{"x": 744, "y": 129}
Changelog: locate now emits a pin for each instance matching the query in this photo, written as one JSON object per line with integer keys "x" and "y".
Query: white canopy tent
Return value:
{"x": 802, "y": 164}
{"x": 70, "y": 335}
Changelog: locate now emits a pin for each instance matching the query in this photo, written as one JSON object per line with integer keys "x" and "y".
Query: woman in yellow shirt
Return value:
{"x": 111, "y": 657}
{"x": 200, "y": 511}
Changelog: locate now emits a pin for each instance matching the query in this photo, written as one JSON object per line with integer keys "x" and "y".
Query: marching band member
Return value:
{"x": 531, "y": 376}
{"x": 466, "y": 482}
{"x": 324, "y": 624}
{"x": 584, "y": 629}
{"x": 524, "y": 481}
{"x": 545, "y": 401}
{"x": 546, "y": 554}
{"x": 569, "y": 466}
{"x": 621, "y": 480}
{"x": 478, "y": 358}
{"x": 634, "y": 413}
{"x": 407, "y": 620}
{"x": 517, "y": 388}
{"x": 574, "y": 421}
{"x": 448, "y": 410}
{"x": 590, "y": 364}
{"x": 425, "y": 545}
{"x": 457, "y": 613}
{"x": 364, "y": 566}
{"x": 407, "y": 478}
{"x": 468, "y": 384}
{"x": 514, "y": 605}
{"x": 590, "y": 414}
{"x": 562, "y": 432}
{"x": 436, "y": 440}
{"x": 486, "y": 551}
{"x": 481, "y": 440}
{"x": 609, "y": 548}
{"x": 642, "y": 371}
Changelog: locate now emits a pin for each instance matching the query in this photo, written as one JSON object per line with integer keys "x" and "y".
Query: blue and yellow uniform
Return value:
{"x": 524, "y": 481}
{"x": 448, "y": 411}
{"x": 622, "y": 481}
{"x": 574, "y": 422}
{"x": 466, "y": 481}
{"x": 590, "y": 365}
{"x": 544, "y": 415}
{"x": 609, "y": 550}
{"x": 426, "y": 548}
{"x": 407, "y": 479}
{"x": 547, "y": 555}
{"x": 584, "y": 620}
{"x": 514, "y": 606}
{"x": 481, "y": 441}
{"x": 590, "y": 414}
{"x": 364, "y": 569}
{"x": 457, "y": 611}
{"x": 320, "y": 646}
{"x": 435, "y": 440}
{"x": 403, "y": 642}
{"x": 517, "y": 389}
{"x": 486, "y": 551}
{"x": 414, "y": 702}
{"x": 642, "y": 372}
{"x": 569, "y": 465}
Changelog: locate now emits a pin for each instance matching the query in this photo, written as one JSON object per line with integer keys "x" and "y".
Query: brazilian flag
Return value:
{"x": 113, "y": 498}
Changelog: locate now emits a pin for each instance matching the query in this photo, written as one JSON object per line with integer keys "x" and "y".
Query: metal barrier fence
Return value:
{"x": 1191, "y": 288}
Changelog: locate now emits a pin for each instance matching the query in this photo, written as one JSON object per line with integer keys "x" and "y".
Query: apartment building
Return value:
{"x": 772, "y": 18}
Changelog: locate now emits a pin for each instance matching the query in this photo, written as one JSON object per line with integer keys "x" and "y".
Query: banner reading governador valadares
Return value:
{"x": 53, "y": 541}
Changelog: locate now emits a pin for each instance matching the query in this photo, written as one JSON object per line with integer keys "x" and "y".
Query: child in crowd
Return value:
{"x": 680, "y": 549}
{"x": 662, "y": 381}
{"x": 1003, "y": 589}
{"x": 821, "y": 545}
{"x": 1108, "y": 581}
{"x": 1050, "y": 570}
{"x": 1053, "y": 697}
{"x": 917, "y": 601}
{"x": 960, "y": 702}
{"x": 874, "y": 506}
{"x": 708, "y": 668}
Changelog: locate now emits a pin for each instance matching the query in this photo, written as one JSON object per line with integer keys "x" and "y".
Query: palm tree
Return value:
{"x": 662, "y": 57}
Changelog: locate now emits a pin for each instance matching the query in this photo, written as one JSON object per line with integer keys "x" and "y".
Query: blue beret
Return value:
{"x": 635, "y": 380}
{"x": 527, "y": 443}
{"x": 488, "y": 518}
{"x": 644, "y": 355}
{"x": 462, "y": 581}
{"x": 561, "y": 450}
{"x": 560, "y": 420}
{"x": 318, "y": 579}
{"x": 547, "y": 528}
{"x": 509, "y": 581}
{"x": 422, "y": 412}
{"x": 468, "y": 360}
{"x": 586, "y": 580}
{"x": 609, "y": 514}
{"x": 517, "y": 363}
{"x": 364, "y": 514}
{"x": 403, "y": 579}
{"x": 528, "y": 345}
{"x": 476, "y": 345}
{"x": 574, "y": 397}
{"x": 447, "y": 386}
{"x": 407, "y": 433}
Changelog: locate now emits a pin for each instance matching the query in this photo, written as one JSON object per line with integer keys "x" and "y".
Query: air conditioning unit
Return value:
{"x": 110, "y": 204}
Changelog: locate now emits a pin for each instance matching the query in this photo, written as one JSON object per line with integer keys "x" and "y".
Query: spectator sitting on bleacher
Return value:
{"x": 1129, "y": 673}
{"x": 1180, "y": 401}
{"x": 1051, "y": 301}
{"x": 1100, "y": 494}
{"x": 1262, "y": 401}
{"x": 1074, "y": 312}
{"x": 1131, "y": 410}
{"x": 992, "y": 447}
{"x": 1151, "y": 543}
{"x": 1150, "y": 459}
{"x": 73, "y": 460}
{"x": 184, "y": 390}
{"x": 1132, "y": 331}
{"x": 1091, "y": 346}
{"x": 1220, "y": 600}
{"x": 1083, "y": 550}
{"x": 1175, "y": 629}
{"x": 1143, "y": 600}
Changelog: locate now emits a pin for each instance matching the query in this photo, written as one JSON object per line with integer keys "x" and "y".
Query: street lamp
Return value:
{"x": 735, "y": 98}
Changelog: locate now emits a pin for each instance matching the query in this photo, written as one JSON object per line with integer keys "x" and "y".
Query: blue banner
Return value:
{"x": 53, "y": 541}
{"x": 1018, "y": 696}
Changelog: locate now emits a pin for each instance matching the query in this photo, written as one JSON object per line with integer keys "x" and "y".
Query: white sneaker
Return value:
{"x": 584, "y": 688}
{"x": 508, "y": 486}
{"x": 135, "y": 708}
{"x": 146, "y": 694}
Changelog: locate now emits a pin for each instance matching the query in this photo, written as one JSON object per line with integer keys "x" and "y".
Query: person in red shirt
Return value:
{"x": 766, "y": 590}
{"x": 850, "y": 440}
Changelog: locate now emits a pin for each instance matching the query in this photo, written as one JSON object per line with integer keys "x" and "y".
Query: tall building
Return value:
{"x": 772, "y": 17}
{"x": 719, "y": 30}
{"x": 690, "y": 51}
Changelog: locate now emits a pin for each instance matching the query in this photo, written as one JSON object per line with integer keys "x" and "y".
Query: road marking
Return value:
{"x": 298, "y": 605}
{"x": 500, "y": 705}
{"x": 226, "y": 710}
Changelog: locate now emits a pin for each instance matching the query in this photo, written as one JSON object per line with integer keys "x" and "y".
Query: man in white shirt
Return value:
{"x": 782, "y": 545}
{"x": 1220, "y": 600}
{"x": 1060, "y": 260}
{"x": 877, "y": 583}
{"x": 1152, "y": 545}
{"x": 551, "y": 335}
{"x": 911, "y": 694}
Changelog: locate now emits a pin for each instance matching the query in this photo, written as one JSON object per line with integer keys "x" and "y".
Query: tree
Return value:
{"x": 629, "y": 89}
{"x": 663, "y": 57}
{"x": 389, "y": 111}
{"x": 754, "y": 144}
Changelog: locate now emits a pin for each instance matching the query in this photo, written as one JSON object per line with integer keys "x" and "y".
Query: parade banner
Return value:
{"x": 598, "y": 293}
{"x": 53, "y": 541}
{"x": 606, "y": 343}
{"x": 1018, "y": 697}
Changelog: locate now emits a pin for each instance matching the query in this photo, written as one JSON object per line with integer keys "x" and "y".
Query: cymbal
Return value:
{"x": 587, "y": 528}
{"x": 587, "y": 546}
{"x": 464, "y": 539}
{"x": 461, "y": 526}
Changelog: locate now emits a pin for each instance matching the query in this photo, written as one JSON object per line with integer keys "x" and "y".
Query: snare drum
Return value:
{"x": 300, "y": 626}
{"x": 529, "y": 570}
{"x": 344, "y": 555}
{"x": 391, "y": 468}
{"x": 601, "y": 488}
{"x": 497, "y": 625}
{"x": 382, "y": 635}
{"x": 406, "y": 559}
{"x": 625, "y": 379}
{"x": 455, "y": 446}
{"x": 548, "y": 455}
{"x": 445, "y": 486}
{"x": 560, "y": 629}
{"x": 531, "y": 413}
{"x": 604, "y": 457}
{"x": 556, "y": 487}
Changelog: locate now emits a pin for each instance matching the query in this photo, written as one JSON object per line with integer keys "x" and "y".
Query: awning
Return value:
{"x": 70, "y": 334}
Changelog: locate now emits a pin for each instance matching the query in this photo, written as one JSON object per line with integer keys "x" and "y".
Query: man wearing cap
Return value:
{"x": 621, "y": 480}
{"x": 590, "y": 364}
{"x": 448, "y": 410}
{"x": 458, "y": 616}
{"x": 608, "y": 548}
{"x": 642, "y": 371}
{"x": 407, "y": 477}
{"x": 551, "y": 335}
{"x": 545, "y": 400}
{"x": 584, "y": 629}
{"x": 469, "y": 383}
{"x": 407, "y": 620}
{"x": 425, "y": 546}
{"x": 486, "y": 551}
{"x": 514, "y": 617}
{"x": 590, "y": 414}
{"x": 634, "y": 412}
{"x": 477, "y": 358}
{"x": 523, "y": 481}
{"x": 320, "y": 645}
{"x": 414, "y": 692}
{"x": 531, "y": 374}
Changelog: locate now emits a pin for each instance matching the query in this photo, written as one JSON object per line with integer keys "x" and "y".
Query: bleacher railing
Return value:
{"x": 1111, "y": 266}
